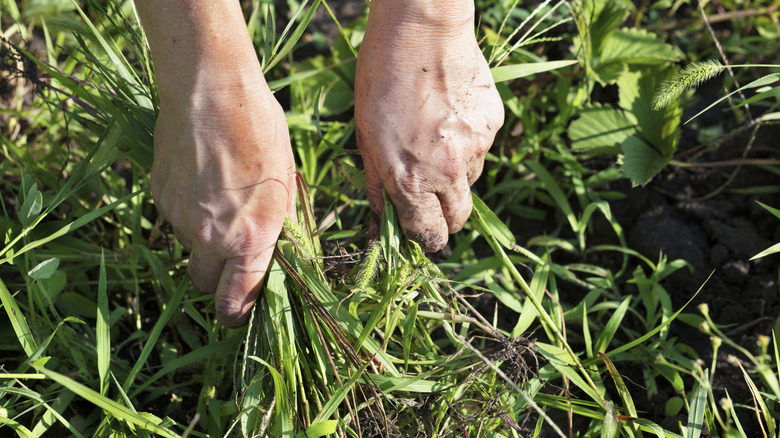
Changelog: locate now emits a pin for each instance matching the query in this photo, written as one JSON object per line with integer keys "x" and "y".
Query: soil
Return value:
{"x": 683, "y": 215}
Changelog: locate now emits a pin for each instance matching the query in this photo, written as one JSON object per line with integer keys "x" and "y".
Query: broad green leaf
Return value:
{"x": 606, "y": 18}
{"x": 641, "y": 162}
{"x": 44, "y": 269}
{"x": 673, "y": 406}
{"x": 389, "y": 384}
{"x": 510, "y": 72}
{"x": 637, "y": 46}
{"x": 660, "y": 128}
{"x": 600, "y": 129}
{"x": 31, "y": 208}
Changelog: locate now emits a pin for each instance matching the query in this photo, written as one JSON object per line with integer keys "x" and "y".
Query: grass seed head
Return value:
{"x": 369, "y": 267}
{"x": 690, "y": 77}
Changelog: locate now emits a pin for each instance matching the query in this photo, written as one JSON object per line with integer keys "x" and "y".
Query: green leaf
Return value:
{"x": 495, "y": 226}
{"x": 600, "y": 129}
{"x": 18, "y": 321}
{"x": 637, "y": 46}
{"x": 102, "y": 329}
{"x": 625, "y": 395}
{"x": 113, "y": 408}
{"x": 607, "y": 16}
{"x": 660, "y": 128}
{"x": 44, "y": 269}
{"x": 760, "y": 82}
{"x": 611, "y": 426}
{"x": 282, "y": 416}
{"x": 641, "y": 162}
{"x": 769, "y": 251}
{"x": 611, "y": 328}
{"x": 673, "y": 406}
{"x": 696, "y": 413}
{"x": 529, "y": 313}
{"x": 31, "y": 208}
{"x": 319, "y": 430}
{"x": 510, "y": 72}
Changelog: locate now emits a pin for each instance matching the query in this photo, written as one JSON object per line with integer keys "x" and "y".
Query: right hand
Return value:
{"x": 224, "y": 177}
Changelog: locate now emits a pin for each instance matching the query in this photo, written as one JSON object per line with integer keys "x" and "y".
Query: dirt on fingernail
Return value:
{"x": 429, "y": 240}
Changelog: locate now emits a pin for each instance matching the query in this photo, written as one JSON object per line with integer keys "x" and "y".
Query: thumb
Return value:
{"x": 239, "y": 286}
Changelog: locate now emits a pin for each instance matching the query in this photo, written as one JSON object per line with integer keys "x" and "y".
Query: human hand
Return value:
{"x": 426, "y": 111}
{"x": 224, "y": 177}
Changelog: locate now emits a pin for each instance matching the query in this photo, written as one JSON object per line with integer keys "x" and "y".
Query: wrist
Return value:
{"x": 196, "y": 42}
{"x": 441, "y": 14}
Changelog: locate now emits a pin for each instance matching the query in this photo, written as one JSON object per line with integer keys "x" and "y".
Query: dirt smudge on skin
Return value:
{"x": 429, "y": 240}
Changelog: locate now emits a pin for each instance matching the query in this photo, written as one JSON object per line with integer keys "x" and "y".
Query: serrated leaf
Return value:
{"x": 600, "y": 129}
{"x": 607, "y": 16}
{"x": 661, "y": 128}
{"x": 44, "y": 269}
{"x": 641, "y": 162}
{"x": 637, "y": 46}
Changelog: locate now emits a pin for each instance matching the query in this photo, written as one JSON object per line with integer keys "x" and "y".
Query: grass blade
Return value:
{"x": 18, "y": 322}
{"x": 102, "y": 329}
{"x": 109, "y": 406}
{"x": 510, "y": 72}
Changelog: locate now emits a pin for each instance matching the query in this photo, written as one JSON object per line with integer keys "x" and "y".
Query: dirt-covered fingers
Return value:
{"x": 455, "y": 205}
{"x": 421, "y": 218}
{"x": 204, "y": 269}
{"x": 239, "y": 286}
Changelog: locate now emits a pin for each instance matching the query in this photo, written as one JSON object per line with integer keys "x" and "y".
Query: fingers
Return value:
{"x": 425, "y": 217}
{"x": 239, "y": 286}
{"x": 204, "y": 269}
{"x": 456, "y": 206}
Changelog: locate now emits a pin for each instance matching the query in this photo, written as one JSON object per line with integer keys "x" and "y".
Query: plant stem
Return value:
{"x": 728, "y": 163}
